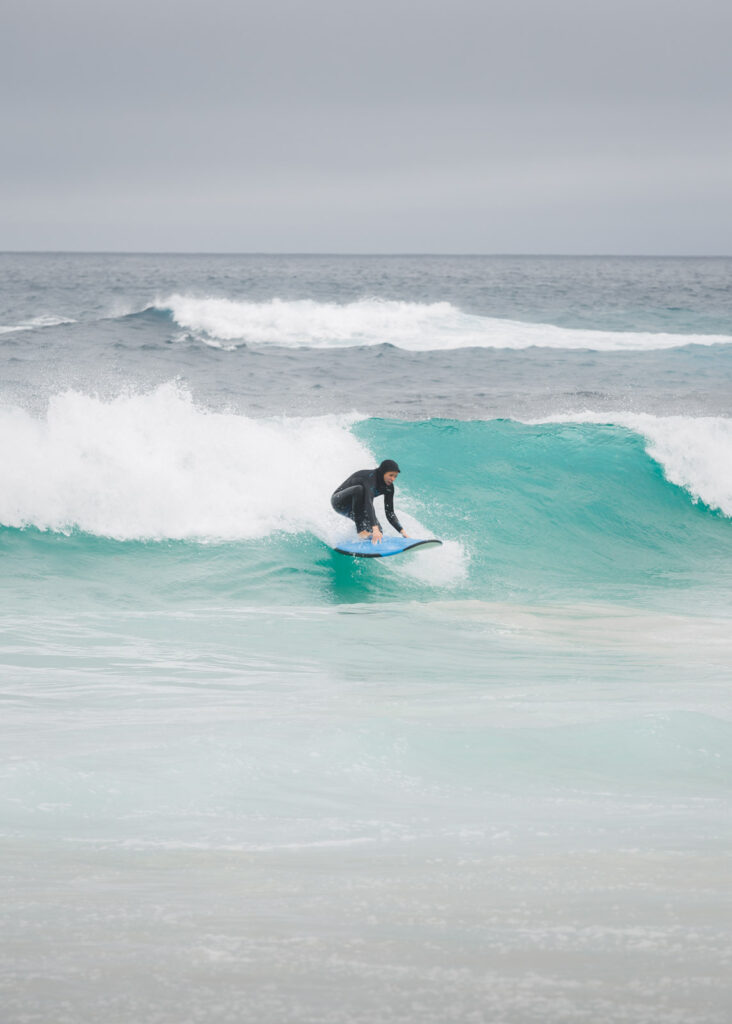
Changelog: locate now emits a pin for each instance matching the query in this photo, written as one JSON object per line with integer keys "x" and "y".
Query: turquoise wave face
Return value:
{"x": 553, "y": 508}
{"x": 542, "y": 512}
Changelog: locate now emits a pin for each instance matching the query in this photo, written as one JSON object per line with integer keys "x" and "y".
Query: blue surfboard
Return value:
{"x": 363, "y": 548}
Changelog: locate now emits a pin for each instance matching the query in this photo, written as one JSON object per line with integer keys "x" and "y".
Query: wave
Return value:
{"x": 414, "y": 326}
{"x": 589, "y": 509}
{"x": 157, "y": 466}
{"x": 576, "y": 501}
{"x": 35, "y": 323}
{"x": 694, "y": 452}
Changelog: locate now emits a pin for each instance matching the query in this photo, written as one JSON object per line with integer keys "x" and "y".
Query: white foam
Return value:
{"x": 157, "y": 466}
{"x": 446, "y": 566}
{"x": 414, "y": 326}
{"x": 695, "y": 452}
{"x": 35, "y": 323}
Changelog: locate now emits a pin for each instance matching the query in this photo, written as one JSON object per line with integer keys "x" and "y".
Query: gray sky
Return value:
{"x": 334, "y": 126}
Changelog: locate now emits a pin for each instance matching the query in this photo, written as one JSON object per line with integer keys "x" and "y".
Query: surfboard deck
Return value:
{"x": 363, "y": 548}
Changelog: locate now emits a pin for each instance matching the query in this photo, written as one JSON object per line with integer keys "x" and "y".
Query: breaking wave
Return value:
{"x": 414, "y": 326}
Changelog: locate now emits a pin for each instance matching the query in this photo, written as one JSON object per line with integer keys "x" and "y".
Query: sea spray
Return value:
{"x": 156, "y": 465}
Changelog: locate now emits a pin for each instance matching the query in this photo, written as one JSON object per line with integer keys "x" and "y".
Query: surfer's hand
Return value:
{"x": 376, "y": 535}
{"x": 404, "y": 533}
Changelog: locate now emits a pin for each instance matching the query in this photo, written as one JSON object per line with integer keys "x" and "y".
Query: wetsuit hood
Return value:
{"x": 387, "y": 466}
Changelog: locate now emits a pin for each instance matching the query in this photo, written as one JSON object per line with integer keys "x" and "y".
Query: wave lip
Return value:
{"x": 693, "y": 451}
{"x": 414, "y": 326}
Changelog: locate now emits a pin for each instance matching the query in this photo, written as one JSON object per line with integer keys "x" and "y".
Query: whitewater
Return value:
{"x": 420, "y": 327}
{"x": 248, "y": 779}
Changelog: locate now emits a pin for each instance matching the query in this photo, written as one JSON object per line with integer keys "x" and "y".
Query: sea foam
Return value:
{"x": 156, "y": 466}
{"x": 35, "y": 323}
{"x": 415, "y": 326}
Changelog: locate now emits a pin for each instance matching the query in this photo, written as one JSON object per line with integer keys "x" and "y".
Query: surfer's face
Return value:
{"x": 390, "y": 477}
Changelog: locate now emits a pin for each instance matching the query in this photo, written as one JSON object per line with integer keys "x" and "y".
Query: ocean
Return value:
{"x": 246, "y": 779}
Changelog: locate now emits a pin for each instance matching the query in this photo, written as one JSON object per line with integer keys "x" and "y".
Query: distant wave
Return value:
{"x": 35, "y": 323}
{"x": 414, "y": 326}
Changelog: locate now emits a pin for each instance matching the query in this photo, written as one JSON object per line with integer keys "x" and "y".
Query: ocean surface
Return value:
{"x": 246, "y": 779}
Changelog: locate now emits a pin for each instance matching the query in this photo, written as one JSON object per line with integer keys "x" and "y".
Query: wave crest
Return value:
{"x": 694, "y": 452}
{"x": 414, "y": 326}
{"x": 35, "y": 324}
{"x": 156, "y": 466}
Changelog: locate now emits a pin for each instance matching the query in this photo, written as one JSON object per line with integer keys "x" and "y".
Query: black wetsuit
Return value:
{"x": 355, "y": 499}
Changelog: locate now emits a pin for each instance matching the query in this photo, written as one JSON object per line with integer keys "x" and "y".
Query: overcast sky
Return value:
{"x": 518, "y": 126}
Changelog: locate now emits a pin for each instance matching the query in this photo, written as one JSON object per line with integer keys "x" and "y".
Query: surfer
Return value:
{"x": 355, "y": 499}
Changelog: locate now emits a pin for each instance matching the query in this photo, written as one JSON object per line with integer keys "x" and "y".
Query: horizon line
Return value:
{"x": 380, "y": 255}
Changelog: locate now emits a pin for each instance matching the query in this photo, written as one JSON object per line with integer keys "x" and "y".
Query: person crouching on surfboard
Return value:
{"x": 355, "y": 499}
